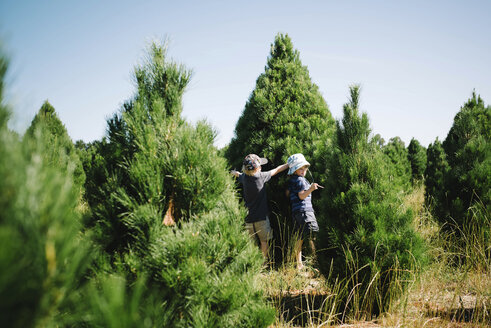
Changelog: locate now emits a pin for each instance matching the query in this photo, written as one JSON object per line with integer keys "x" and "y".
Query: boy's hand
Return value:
{"x": 304, "y": 194}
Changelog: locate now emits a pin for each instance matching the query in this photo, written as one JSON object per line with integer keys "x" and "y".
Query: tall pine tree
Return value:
{"x": 468, "y": 150}
{"x": 162, "y": 171}
{"x": 285, "y": 114}
{"x": 363, "y": 225}
{"x": 458, "y": 170}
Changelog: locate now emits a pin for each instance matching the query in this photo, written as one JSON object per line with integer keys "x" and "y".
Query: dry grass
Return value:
{"x": 288, "y": 280}
{"x": 443, "y": 294}
{"x": 438, "y": 299}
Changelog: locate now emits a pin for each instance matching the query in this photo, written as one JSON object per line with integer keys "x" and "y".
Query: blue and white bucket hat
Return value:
{"x": 295, "y": 162}
{"x": 252, "y": 162}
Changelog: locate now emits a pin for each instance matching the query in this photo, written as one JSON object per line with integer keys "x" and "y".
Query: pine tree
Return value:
{"x": 468, "y": 150}
{"x": 285, "y": 114}
{"x": 43, "y": 256}
{"x": 360, "y": 215}
{"x": 417, "y": 158}
{"x": 163, "y": 171}
{"x": 401, "y": 167}
{"x": 60, "y": 151}
{"x": 92, "y": 163}
{"x": 436, "y": 172}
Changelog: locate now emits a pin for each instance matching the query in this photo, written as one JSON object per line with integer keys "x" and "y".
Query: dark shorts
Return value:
{"x": 305, "y": 223}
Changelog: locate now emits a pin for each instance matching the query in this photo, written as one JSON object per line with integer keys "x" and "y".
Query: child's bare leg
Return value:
{"x": 298, "y": 254}
{"x": 264, "y": 249}
{"x": 312, "y": 249}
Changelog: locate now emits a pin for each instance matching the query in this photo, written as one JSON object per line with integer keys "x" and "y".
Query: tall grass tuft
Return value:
{"x": 476, "y": 239}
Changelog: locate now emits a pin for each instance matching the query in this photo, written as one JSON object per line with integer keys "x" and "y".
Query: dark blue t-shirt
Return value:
{"x": 255, "y": 197}
{"x": 297, "y": 184}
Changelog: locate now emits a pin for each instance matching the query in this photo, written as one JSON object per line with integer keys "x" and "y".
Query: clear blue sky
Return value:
{"x": 417, "y": 61}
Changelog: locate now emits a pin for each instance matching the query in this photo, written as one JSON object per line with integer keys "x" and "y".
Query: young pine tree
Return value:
{"x": 436, "y": 172}
{"x": 417, "y": 158}
{"x": 285, "y": 114}
{"x": 363, "y": 225}
{"x": 43, "y": 256}
{"x": 468, "y": 151}
{"x": 199, "y": 271}
{"x": 401, "y": 167}
{"x": 60, "y": 151}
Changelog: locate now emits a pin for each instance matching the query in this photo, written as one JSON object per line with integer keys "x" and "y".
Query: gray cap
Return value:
{"x": 252, "y": 162}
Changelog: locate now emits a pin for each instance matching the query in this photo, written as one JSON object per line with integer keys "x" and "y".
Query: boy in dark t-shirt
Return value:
{"x": 255, "y": 198}
{"x": 299, "y": 192}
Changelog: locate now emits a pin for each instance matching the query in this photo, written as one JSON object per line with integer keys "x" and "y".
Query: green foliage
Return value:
{"x": 457, "y": 176}
{"x": 199, "y": 272}
{"x": 205, "y": 272}
{"x": 4, "y": 113}
{"x": 59, "y": 149}
{"x": 283, "y": 103}
{"x": 93, "y": 164}
{"x": 285, "y": 114}
{"x": 98, "y": 160}
{"x": 112, "y": 303}
{"x": 468, "y": 150}
{"x": 144, "y": 132}
{"x": 401, "y": 167}
{"x": 361, "y": 213}
{"x": 436, "y": 171}
{"x": 43, "y": 256}
{"x": 417, "y": 158}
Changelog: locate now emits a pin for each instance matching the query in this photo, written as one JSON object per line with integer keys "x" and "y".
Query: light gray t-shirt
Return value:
{"x": 255, "y": 197}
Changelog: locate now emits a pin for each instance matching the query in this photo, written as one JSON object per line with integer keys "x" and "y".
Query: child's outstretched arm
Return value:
{"x": 278, "y": 169}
